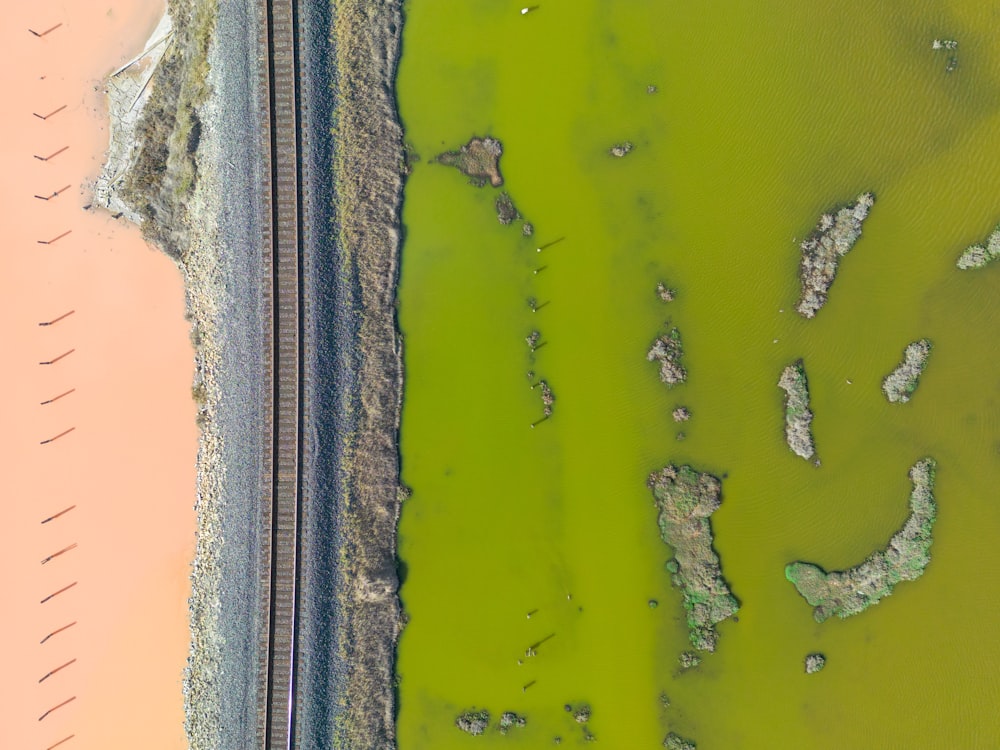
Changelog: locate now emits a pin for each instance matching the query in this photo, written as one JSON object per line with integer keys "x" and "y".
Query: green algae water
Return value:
{"x": 765, "y": 115}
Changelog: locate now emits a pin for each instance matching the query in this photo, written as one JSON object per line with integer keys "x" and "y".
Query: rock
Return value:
{"x": 582, "y": 714}
{"x": 473, "y": 722}
{"x": 814, "y": 663}
{"x": 532, "y": 339}
{"x": 900, "y": 384}
{"x": 833, "y": 238}
{"x": 621, "y": 149}
{"x": 668, "y": 350}
{"x": 651, "y": 89}
{"x": 527, "y": 229}
{"x": 978, "y": 256}
{"x": 944, "y": 44}
{"x": 849, "y": 592}
{"x": 681, "y": 414}
{"x": 686, "y": 499}
{"x": 798, "y": 417}
{"x": 479, "y": 159}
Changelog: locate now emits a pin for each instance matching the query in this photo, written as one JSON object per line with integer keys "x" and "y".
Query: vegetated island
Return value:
{"x": 685, "y": 499}
{"x": 977, "y": 256}
{"x": 479, "y": 160}
{"x": 798, "y": 417}
{"x": 848, "y": 592}
{"x": 814, "y": 663}
{"x": 668, "y": 350}
{"x": 674, "y": 741}
{"x": 832, "y": 239}
{"x": 900, "y": 384}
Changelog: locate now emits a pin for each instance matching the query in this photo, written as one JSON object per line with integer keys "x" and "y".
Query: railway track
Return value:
{"x": 282, "y": 245}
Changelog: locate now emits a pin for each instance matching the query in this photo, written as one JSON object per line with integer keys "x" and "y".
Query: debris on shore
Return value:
{"x": 900, "y": 384}
{"x": 849, "y": 592}
{"x": 977, "y": 256}
{"x": 831, "y": 240}
{"x": 798, "y": 417}
{"x": 479, "y": 160}
{"x": 685, "y": 499}
{"x": 668, "y": 350}
{"x": 814, "y": 663}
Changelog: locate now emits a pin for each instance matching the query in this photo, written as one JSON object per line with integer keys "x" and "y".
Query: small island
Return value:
{"x": 849, "y": 592}
{"x": 479, "y": 160}
{"x": 978, "y": 256}
{"x": 510, "y": 720}
{"x": 668, "y": 350}
{"x": 674, "y": 741}
{"x": 685, "y": 499}
{"x": 798, "y": 417}
{"x": 831, "y": 240}
{"x": 473, "y": 722}
{"x": 900, "y": 384}
{"x": 814, "y": 663}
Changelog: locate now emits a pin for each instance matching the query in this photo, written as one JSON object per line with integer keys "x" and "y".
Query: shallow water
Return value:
{"x": 765, "y": 116}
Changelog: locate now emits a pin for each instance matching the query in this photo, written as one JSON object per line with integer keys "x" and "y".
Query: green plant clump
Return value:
{"x": 848, "y": 592}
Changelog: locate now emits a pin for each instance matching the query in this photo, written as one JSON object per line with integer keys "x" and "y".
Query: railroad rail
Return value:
{"x": 282, "y": 246}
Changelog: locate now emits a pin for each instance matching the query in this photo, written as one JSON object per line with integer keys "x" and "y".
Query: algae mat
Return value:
{"x": 765, "y": 115}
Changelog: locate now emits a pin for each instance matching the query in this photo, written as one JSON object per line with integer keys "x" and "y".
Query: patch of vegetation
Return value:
{"x": 473, "y": 722}
{"x": 685, "y": 499}
{"x": 479, "y": 160}
{"x": 900, "y": 384}
{"x": 834, "y": 236}
{"x": 814, "y": 663}
{"x": 668, "y": 350}
{"x": 509, "y": 720}
{"x": 506, "y": 212}
{"x": 977, "y": 256}
{"x": 849, "y": 592}
{"x": 798, "y": 417}
{"x": 674, "y": 741}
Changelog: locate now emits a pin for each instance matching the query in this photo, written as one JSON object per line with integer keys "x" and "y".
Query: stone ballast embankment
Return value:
{"x": 833, "y": 237}
{"x": 849, "y": 592}
{"x": 685, "y": 499}
{"x": 900, "y": 384}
